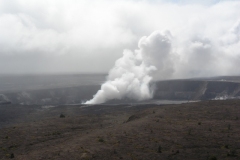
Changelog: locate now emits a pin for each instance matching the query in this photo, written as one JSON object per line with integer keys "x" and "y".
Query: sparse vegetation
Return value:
{"x": 212, "y": 158}
{"x": 159, "y": 149}
{"x": 55, "y": 133}
{"x": 62, "y": 115}
{"x": 101, "y": 140}
{"x": 229, "y": 126}
{"x": 9, "y": 155}
{"x": 189, "y": 131}
{"x": 232, "y": 153}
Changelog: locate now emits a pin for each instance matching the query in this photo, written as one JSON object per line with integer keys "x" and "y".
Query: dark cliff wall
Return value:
{"x": 195, "y": 90}
{"x": 69, "y": 95}
{"x": 164, "y": 90}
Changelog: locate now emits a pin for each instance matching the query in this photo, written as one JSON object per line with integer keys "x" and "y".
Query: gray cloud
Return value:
{"x": 83, "y": 36}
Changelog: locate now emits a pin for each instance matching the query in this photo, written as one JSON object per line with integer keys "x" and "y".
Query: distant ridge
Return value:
{"x": 79, "y": 88}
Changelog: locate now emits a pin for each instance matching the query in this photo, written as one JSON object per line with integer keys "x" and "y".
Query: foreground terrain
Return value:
{"x": 201, "y": 130}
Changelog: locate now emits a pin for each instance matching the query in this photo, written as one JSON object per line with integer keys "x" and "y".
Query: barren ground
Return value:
{"x": 201, "y": 130}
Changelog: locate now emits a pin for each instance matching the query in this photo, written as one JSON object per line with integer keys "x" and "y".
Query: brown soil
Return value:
{"x": 203, "y": 130}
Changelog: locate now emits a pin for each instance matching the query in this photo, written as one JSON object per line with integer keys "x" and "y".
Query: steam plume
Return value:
{"x": 164, "y": 56}
{"x": 132, "y": 73}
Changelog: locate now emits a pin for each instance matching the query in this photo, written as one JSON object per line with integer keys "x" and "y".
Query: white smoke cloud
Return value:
{"x": 206, "y": 54}
{"x": 170, "y": 56}
{"x": 132, "y": 73}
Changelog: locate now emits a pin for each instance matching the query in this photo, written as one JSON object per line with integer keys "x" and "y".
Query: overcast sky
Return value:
{"x": 59, "y": 36}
